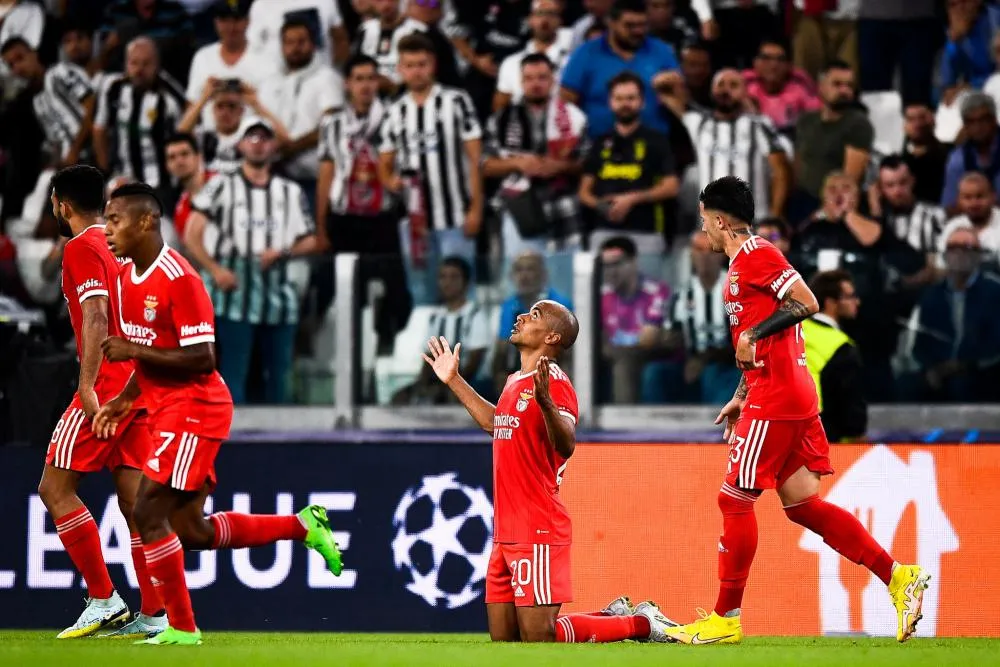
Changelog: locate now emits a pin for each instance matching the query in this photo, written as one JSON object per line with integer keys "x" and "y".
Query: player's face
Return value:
{"x": 297, "y": 48}
{"x": 122, "y": 228}
{"x": 57, "y": 212}
{"x": 532, "y": 329}
{"x": 704, "y": 262}
{"x": 712, "y": 225}
{"x": 416, "y": 70}
{"x": 362, "y": 85}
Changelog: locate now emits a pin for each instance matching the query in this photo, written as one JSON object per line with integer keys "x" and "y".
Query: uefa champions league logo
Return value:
{"x": 443, "y": 537}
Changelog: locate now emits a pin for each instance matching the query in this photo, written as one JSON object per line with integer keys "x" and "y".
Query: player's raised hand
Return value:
{"x": 443, "y": 359}
{"x": 730, "y": 414}
{"x": 542, "y": 381}
{"x": 746, "y": 353}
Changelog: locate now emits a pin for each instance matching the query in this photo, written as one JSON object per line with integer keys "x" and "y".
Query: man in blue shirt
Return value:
{"x": 980, "y": 152}
{"x": 626, "y": 46}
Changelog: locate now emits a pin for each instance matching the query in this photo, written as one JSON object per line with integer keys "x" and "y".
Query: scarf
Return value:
{"x": 364, "y": 189}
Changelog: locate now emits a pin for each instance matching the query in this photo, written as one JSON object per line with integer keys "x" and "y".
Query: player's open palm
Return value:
{"x": 730, "y": 414}
{"x": 443, "y": 359}
{"x": 542, "y": 381}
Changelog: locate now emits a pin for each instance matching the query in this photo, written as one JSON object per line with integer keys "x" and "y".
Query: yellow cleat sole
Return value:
{"x": 921, "y": 584}
{"x": 91, "y": 630}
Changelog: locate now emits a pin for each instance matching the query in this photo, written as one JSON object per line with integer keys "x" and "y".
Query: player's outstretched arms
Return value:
{"x": 191, "y": 360}
{"x": 445, "y": 363}
{"x": 561, "y": 431}
{"x": 798, "y": 303}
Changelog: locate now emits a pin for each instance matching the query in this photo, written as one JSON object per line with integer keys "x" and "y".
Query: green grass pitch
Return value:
{"x": 243, "y": 649}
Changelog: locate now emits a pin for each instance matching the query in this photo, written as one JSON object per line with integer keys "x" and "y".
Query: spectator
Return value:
{"x": 25, "y": 20}
{"x": 63, "y": 104}
{"x": 299, "y": 96}
{"x": 741, "y": 23}
{"x": 228, "y": 59}
{"x": 779, "y": 91}
{"x": 429, "y": 14}
{"x": 730, "y": 140}
{"x": 833, "y": 358}
{"x": 531, "y": 285}
{"x": 977, "y": 210}
{"x": 632, "y": 317}
{"x": 629, "y": 173}
{"x": 355, "y": 213}
{"x": 699, "y": 315}
{"x": 39, "y": 241}
{"x": 968, "y": 58}
{"x": 444, "y": 195}
{"x": 677, "y": 26}
{"x": 838, "y": 137}
{"x": 243, "y": 230}
{"x": 981, "y": 150}
{"x": 826, "y": 34}
{"x": 547, "y": 37}
{"x": 78, "y": 49}
{"x": 186, "y": 167}
{"x": 537, "y": 147}
{"x": 627, "y": 46}
{"x": 696, "y": 68}
{"x": 164, "y": 22}
{"x": 459, "y": 320}
{"x": 776, "y": 231}
{"x": 899, "y": 33}
{"x": 379, "y": 37}
{"x": 320, "y": 17}
{"x": 926, "y": 155}
{"x": 365, "y": 9}
{"x": 596, "y": 19}
{"x": 489, "y": 31}
{"x": 958, "y": 342}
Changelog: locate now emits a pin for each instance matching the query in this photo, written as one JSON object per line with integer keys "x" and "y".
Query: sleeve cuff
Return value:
{"x": 94, "y": 292}
{"x": 567, "y": 414}
{"x": 194, "y": 340}
{"x": 784, "y": 288}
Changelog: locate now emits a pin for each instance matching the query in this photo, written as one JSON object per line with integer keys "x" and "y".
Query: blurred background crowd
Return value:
{"x": 468, "y": 149}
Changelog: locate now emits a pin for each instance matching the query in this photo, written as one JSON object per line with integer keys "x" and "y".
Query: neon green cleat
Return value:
{"x": 319, "y": 537}
{"x": 172, "y": 637}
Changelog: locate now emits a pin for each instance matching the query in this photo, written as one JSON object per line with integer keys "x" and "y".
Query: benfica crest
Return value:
{"x": 734, "y": 286}
{"x": 149, "y": 314}
{"x": 523, "y": 398}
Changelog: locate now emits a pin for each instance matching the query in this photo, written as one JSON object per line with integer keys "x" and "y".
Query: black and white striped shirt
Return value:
{"x": 738, "y": 147}
{"x": 343, "y": 136}
{"x": 701, "y": 315}
{"x": 383, "y": 45}
{"x": 429, "y": 141}
{"x": 245, "y": 220}
{"x": 469, "y": 325}
{"x": 139, "y": 123}
{"x": 920, "y": 227}
{"x": 59, "y": 105}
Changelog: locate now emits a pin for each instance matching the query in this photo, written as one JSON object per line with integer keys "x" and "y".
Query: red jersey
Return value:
{"x": 89, "y": 270}
{"x": 759, "y": 277}
{"x": 527, "y": 470}
{"x": 168, "y": 307}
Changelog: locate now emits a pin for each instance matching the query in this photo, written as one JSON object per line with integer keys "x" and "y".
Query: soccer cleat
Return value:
{"x": 906, "y": 588}
{"x": 171, "y": 637}
{"x": 319, "y": 537}
{"x": 709, "y": 629}
{"x": 619, "y": 607}
{"x": 97, "y": 615}
{"x": 140, "y": 626}
{"x": 658, "y": 623}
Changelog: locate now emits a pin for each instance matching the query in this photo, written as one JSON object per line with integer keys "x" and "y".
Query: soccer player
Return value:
{"x": 169, "y": 333}
{"x": 534, "y": 435}
{"x": 776, "y": 440}
{"x": 88, "y": 284}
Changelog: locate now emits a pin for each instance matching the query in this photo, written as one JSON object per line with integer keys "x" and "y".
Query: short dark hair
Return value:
{"x": 359, "y": 60}
{"x": 626, "y": 7}
{"x": 623, "y": 243}
{"x": 783, "y": 228}
{"x": 775, "y": 40}
{"x": 828, "y": 285}
{"x": 835, "y": 64}
{"x": 292, "y": 23}
{"x": 894, "y": 161}
{"x": 139, "y": 191}
{"x": 732, "y": 196}
{"x": 76, "y": 24}
{"x": 184, "y": 138}
{"x": 416, "y": 42}
{"x": 537, "y": 59}
{"x": 459, "y": 263}
{"x": 82, "y": 186}
{"x": 624, "y": 78}
{"x": 13, "y": 42}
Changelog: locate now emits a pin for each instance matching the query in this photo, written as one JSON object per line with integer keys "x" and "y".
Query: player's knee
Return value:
{"x": 539, "y": 632}
{"x": 53, "y": 490}
{"x": 194, "y": 535}
{"x": 736, "y": 501}
{"x": 127, "y": 507}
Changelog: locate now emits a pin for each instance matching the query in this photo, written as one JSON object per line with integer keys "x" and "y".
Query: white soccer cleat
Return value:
{"x": 97, "y": 615}
{"x": 658, "y": 623}
{"x": 142, "y": 626}
{"x": 619, "y": 607}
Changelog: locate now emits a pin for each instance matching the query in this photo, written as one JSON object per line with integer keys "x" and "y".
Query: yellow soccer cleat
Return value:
{"x": 907, "y": 588}
{"x": 709, "y": 629}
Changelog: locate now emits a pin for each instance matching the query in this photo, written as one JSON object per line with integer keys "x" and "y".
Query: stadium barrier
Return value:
{"x": 414, "y": 518}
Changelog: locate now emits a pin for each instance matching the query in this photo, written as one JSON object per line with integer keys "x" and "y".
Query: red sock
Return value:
{"x": 844, "y": 533}
{"x": 150, "y": 603}
{"x": 737, "y": 546}
{"x": 80, "y": 538}
{"x": 235, "y": 531}
{"x": 598, "y": 628}
{"x": 165, "y": 561}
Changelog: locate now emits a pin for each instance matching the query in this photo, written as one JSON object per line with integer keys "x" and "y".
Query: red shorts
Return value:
{"x": 529, "y": 574}
{"x": 764, "y": 453}
{"x": 185, "y": 444}
{"x": 75, "y": 447}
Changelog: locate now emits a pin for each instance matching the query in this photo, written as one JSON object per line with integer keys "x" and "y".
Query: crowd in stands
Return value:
{"x": 467, "y": 148}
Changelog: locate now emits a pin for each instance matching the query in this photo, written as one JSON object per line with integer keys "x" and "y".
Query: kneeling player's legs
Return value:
{"x": 501, "y": 614}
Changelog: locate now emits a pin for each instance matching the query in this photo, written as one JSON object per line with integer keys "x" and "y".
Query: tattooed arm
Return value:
{"x": 742, "y": 389}
{"x": 797, "y": 304}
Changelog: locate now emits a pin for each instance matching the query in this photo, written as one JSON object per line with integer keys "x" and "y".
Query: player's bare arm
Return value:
{"x": 730, "y": 412}
{"x": 798, "y": 303}
{"x": 95, "y": 330}
{"x": 561, "y": 431}
{"x": 445, "y": 363}
{"x": 192, "y": 359}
